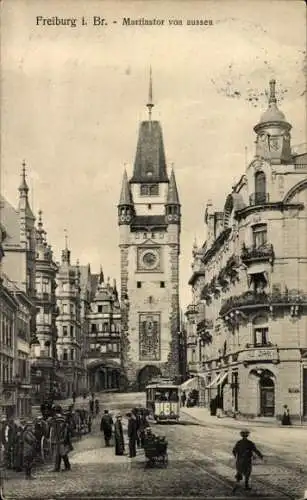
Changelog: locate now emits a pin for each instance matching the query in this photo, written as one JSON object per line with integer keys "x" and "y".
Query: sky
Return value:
{"x": 73, "y": 98}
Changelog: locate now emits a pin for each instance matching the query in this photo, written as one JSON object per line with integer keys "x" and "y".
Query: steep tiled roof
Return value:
{"x": 172, "y": 195}
{"x": 150, "y": 164}
{"x": 10, "y": 223}
{"x": 125, "y": 195}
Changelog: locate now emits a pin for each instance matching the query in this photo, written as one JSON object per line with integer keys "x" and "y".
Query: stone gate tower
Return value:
{"x": 149, "y": 226}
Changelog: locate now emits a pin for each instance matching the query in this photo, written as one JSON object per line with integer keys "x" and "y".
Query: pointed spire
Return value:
{"x": 66, "y": 252}
{"x": 66, "y": 239}
{"x": 272, "y": 97}
{"x": 172, "y": 195}
{"x": 125, "y": 195}
{"x": 101, "y": 276}
{"x": 150, "y": 103}
{"x": 272, "y": 114}
{"x": 23, "y": 188}
{"x": 40, "y": 228}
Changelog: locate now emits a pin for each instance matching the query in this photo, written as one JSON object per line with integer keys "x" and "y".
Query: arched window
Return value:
{"x": 260, "y": 331}
{"x": 260, "y": 187}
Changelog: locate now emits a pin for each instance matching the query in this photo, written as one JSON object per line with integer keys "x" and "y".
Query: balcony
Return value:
{"x": 103, "y": 355}
{"x": 257, "y": 354}
{"x": 259, "y": 198}
{"x": 9, "y": 385}
{"x": 256, "y": 254}
{"x": 253, "y": 300}
{"x": 42, "y": 362}
{"x": 191, "y": 340}
{"x": 44, "y": 297}
{"x": 204, "y": 325}
{"x": 193, "y": 366}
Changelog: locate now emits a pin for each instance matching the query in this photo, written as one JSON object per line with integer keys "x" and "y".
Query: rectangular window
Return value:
{"x": 65, "y": 331}
{"x": 93, "y": 327}
{"x": 100, "y": 309}
{"x": 65, "y": 308}
{"x": 65, "y": 356}
{"x": 139, "y": 284}
{"x": 72, "y": 354}
{"x": 149, "y": 190}
{"x": 162, "y": 284}
{"x": 259, "y": 235}
{"x": 261, "y": 336}
{"x": 71, "y": 330}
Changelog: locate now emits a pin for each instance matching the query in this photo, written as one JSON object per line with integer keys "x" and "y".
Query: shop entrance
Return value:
{"x": 267, "y": 396}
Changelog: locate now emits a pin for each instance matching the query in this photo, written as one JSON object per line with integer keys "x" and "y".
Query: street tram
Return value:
{"x": 163, "y": 400}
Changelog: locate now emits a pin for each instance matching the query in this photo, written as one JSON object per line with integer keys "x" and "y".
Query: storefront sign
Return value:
{"x": 261, "y": 355}
{"x": 293, "y": 390}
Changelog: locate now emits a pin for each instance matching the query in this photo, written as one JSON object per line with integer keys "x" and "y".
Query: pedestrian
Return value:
{"x": 286, "y": 420}
{"x": 91, "y": 406}
{"x": 106, "y": 426}
{"x": 29, "y": 448}
{"x": 183, "y": 398}
{"x": 96, "y": 407}
{"x": 143, "y": 426}
{"x": 119, "y": 436}
{"x": 243, "y": 452}
{"x": 132, "y": 434}
{"x": 18, "y": 447}
{"x": 135, "y": 414}
{"x": 63, "y": 440}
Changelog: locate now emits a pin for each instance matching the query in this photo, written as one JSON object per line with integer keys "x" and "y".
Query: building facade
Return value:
{"x": 18, "y": 263}
{"x": 103, "y": 360}
{"x": 44, "y": 364}
{"x": 85, "y": 298}
{"x": 248, "y": 318}
{"x": 69, "y": 341}
{"x": 15, "y": 320}
{"x": 149, "y": 221}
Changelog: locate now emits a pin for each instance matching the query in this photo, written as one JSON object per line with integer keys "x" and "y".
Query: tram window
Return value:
{"x": 173, "y": 396}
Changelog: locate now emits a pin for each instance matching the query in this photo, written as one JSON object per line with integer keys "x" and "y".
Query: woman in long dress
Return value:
{"x": 119, "y": 436}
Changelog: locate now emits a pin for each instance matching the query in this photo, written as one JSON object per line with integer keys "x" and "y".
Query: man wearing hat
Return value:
{"x": 243, "y": 452}
{"x": 119, "y": 436}
{"x": 29, "y": 444}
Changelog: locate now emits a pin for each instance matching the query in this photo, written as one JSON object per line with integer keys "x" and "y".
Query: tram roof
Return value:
{"x": 163, "y": 384}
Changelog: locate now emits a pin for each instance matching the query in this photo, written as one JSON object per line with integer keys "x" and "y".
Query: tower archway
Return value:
{"x": 146, "y": 374}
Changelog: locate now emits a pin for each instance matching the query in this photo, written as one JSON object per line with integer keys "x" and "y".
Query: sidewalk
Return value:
{"x": 202, "y": 415}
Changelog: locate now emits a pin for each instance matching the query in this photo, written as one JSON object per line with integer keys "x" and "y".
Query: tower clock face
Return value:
{"x": 149, "y": 259}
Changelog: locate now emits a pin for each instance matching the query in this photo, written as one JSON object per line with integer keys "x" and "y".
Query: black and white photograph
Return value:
{"x": 153, "y": 250}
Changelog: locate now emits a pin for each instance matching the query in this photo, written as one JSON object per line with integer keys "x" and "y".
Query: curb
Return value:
{"x": 241, "y": 422}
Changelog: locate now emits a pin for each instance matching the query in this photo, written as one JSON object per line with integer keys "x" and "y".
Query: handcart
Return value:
{"x": 155, "y": 449}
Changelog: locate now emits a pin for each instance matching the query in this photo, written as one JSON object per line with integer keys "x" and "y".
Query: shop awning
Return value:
{"x": 191, "y": 383}
{"x": 214, "y": 381}
{"x": 222, "y": 378}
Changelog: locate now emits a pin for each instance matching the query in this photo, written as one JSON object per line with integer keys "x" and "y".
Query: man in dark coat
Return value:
{"x": 243, "y": 452}
{"x": 106, "y": 426}
{"x": 18, "y": 448}
{"x": 29, "y": 445}
{"x": 119, "y": 436}
{"x": 63, "y": 441}
{"x": 132, "y": 434}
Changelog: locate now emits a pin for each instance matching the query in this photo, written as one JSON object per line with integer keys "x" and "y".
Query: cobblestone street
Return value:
{"x": 200, "y": 464}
